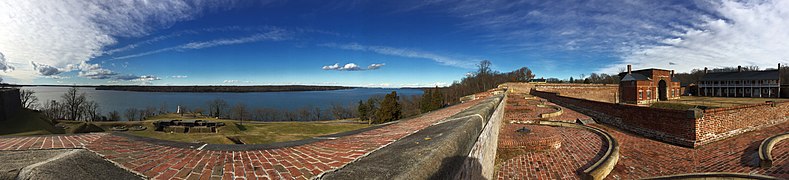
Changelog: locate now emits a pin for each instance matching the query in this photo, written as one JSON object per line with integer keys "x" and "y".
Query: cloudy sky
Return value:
{"x": 375, "y": 43}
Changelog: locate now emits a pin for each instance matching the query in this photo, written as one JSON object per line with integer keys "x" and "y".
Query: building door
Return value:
{"x": 662, "y": 92}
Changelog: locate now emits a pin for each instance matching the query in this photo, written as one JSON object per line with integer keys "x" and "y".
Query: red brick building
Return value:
{"x": 648, "y": 85}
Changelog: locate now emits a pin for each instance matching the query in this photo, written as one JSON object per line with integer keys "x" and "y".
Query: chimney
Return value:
{"x": 739, "y": 68}
{"x": 672, "y": 73}
{"x": 628, "y": 68}
{"x": 705, "y": 70}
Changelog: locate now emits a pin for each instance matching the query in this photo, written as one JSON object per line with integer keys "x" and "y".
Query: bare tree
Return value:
{"x": 131, "y": 114}
{"x": 54, "y": 110}
{"x": 90, "y": 111}
{"x": 73, "y": 101}
{"x": 217, "y": 107}
{"x": 317, "y": 112}
{"x": 305, "y": 113}
{"x": 29, "y": 100}
{"x": 239, "y": 112}
{"x": 114, "y": 116}
{"x": 163, "y": 108}
{"x": 198, "y": 111}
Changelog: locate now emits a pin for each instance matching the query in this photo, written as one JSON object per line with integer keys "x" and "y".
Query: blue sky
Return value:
{"x": 375, "y": 43}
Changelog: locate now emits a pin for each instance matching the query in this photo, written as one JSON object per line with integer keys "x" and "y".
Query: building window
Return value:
{"x": 640, "y": 94}
{"x": 649, "y": 94}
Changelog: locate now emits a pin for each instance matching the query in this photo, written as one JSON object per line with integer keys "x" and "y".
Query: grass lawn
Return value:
{"x": 29, "y": 122}
{"x": 255, "y": 133}
{"x": 687, "y": 102}
{"x": 252, "y": 132}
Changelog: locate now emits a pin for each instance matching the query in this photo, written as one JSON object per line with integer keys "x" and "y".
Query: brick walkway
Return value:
{"x": 48, "y": 142}
{"x": 298, "y": 162}
{"x": 641, "y": 157}
{"x": 520, "y": 109}
{"x": 579, "y": 148}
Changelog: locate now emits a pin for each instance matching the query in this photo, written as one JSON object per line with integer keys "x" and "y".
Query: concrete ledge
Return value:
{"x": 765, "y": 149}
{"x": 714, "y": 175}
{"x": 556, "y": 113}
{"x": 481, "y": 161}
{"x": 436, "y": 152}
{"x": 604, "y": 166}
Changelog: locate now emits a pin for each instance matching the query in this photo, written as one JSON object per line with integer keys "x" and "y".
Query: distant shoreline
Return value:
{"x": 217, "y": 88}
{"x": 289, "y": 88}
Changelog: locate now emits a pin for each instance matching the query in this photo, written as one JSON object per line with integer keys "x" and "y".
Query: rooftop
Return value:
{"x": 744, "y": 75}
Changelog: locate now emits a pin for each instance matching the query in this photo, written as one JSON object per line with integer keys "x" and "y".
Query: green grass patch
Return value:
{"x": 253, "y": 133}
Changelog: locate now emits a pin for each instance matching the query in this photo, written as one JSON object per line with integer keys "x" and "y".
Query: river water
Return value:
{"x": 122, "y": 100}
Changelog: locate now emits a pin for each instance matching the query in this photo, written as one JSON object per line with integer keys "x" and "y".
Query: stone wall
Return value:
{"x": 671, "y": 126}
{"x": 440, "y": 151}
{"x": 595, "y": 92}
{"x": 720, "y": 123}
{"x": 11, "y": 104}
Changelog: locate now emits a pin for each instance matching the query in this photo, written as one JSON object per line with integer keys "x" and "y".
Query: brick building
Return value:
{"x": 741, "y": 83}
{"x": 648, "y": 85}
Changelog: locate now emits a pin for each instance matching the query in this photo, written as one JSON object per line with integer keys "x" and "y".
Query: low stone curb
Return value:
{"x": 765, "y": 149}
{"x": 556, "y": 113}
{"x": 714, "y": 175}
{"x": 605, "y": 165}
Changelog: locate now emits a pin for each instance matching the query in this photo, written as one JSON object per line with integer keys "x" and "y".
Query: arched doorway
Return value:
{"x": 662, "y": 90}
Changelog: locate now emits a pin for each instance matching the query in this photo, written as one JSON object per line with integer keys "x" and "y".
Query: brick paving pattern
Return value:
{"x": 579, "y": 150}
{"x": 297, "y": 162}
{"x": 642, "y": 157}
{"x": 48, "y": 142}
{"x": 521, "y": 109}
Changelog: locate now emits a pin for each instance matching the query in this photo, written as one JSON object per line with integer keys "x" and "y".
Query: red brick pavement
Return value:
{"x": 642, "y": 157}
{"x": 48, "y": 142}
{"x": 298, "y": 162}
{"x": 520, "y": 109}
{"x": 580, "y": 149}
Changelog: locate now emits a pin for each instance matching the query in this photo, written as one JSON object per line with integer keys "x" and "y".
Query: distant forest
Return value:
{"x": 221, "y": 88}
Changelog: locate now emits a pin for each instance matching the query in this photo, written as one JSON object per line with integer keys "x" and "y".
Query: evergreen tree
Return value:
{"x": 390, "y": 109}
{"x": 372, "y": 109}
{"x": 425, "y": 102}
{"x": 363, "y": 110}
{"x": 437, "y": 100}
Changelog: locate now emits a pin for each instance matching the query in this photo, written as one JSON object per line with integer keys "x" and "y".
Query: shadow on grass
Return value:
{"x": 241, "y": 127}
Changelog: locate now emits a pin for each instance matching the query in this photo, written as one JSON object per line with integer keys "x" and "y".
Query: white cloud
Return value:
{"x": 230, "y": 81}
{"x": 130, "y": 77}
{"x": 443, "y": 60}
{"x": 375, "y": 66}
{"x": 4, "y": 64}
{"x": 273, "y": 35}
{"x": 747, "y": 33}
{"x": 59, "y": 33}
{"x": 179, "y": 76}
{"x": 336, "y": 66}
{"x": 352, "y": 67}
{"x": 97, "y": 74}
{"x": 45, "y": 70}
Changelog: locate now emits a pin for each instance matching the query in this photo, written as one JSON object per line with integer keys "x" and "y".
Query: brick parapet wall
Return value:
{"x": 672, "y": 126}
{"x": 721, "y": 123}
{"x": 11, "y": 104}
{"x": 596, "y": 92}
{"x": 684, "y": 128}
